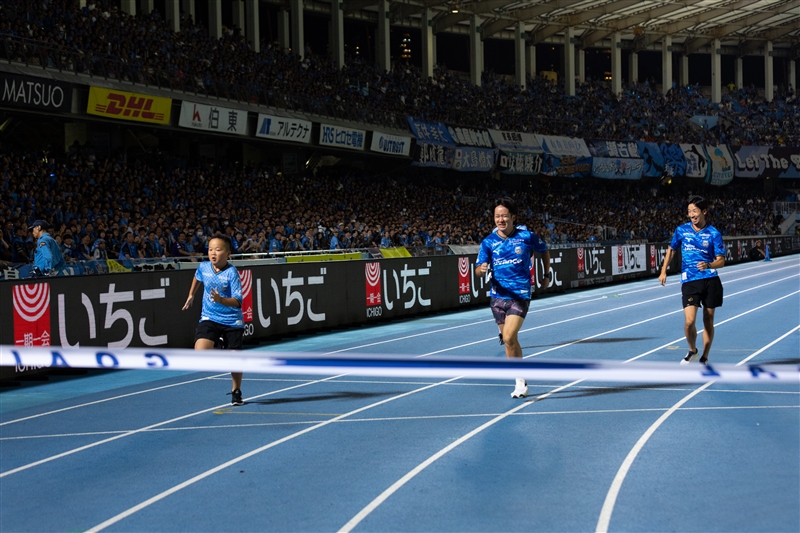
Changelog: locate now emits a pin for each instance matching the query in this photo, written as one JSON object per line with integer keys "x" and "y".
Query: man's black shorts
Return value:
{"x": 502, "y": 308}
{"x": 707, "y": 291}
{"x": 224, "y": 337}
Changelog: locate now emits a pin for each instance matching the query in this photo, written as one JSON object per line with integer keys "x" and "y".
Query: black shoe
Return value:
{"x": 703, "y": 360}
{"x": 236, "y": 397}
{"x": 501, "y": 338}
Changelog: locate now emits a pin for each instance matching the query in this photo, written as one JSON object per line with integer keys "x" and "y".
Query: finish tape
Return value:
{"x": 266, "y": 362}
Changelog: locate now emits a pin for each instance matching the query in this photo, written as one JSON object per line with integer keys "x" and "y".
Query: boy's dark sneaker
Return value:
{"x": 236, "y": 397}
{"x": 703, "y": 360}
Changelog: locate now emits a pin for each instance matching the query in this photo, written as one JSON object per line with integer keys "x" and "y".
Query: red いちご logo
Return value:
{"x": 32, "y": 315}
{"x": 372, "y": 273}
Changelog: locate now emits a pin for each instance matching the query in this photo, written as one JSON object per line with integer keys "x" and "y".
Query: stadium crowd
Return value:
{"x": 102, "y": 39}
{"x": 112, "y": 208}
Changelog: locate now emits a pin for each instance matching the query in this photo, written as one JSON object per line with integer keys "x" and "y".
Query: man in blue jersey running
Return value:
{"x": 702, "y": 253}
{"x": 506, "y": 252}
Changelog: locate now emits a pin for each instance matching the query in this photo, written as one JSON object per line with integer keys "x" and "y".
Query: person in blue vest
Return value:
{"x": 507, "y": 252}
{"x": 47, "y": 254}
{"x": 702, "y": 253}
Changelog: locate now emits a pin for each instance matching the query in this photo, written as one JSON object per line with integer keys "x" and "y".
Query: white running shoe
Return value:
{"x": 690, "y": 357}
{"x": 521, "y": 390}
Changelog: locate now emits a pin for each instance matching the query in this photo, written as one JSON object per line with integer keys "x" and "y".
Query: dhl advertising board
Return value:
{"x": 123, "y": 105}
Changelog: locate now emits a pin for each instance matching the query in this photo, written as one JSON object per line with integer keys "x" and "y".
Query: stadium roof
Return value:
{"x": 744, "y": 24}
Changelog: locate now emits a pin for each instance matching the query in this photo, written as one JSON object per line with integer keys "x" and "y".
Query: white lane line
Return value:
{"x": 141, "y": 430}
{"x": 613, "y": 491}
{"x": 108, "y": 399}
{"x": 353, "y": 522}
{"x": 158, "y": 497}
{"x": 408, "y": 419}
{"x": 275, "y": 443}
{"x": 405, "y": 479}
{"x": 199, "y": 412}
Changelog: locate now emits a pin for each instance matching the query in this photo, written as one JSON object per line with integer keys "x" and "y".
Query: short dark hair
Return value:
{"x": 699, "y": 202}
{"x": 224, "y": 238}
{"x": 506, "y": 202}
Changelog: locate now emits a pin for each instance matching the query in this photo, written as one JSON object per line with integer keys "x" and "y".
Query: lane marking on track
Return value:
{"x": 114, "y": 519}
{"x": 409, "y": 419}
{"x": 374, "y": 504}
{"x": 613, "y": 492}
{"x": 108, "y": 399}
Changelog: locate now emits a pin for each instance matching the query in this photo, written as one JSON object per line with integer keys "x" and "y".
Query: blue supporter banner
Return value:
{"x": 652, "y": 158}
{"x": 751, "y": 161}
{"x": 567, "y": 166}
{"x": 721, "y": 171}
{"x": 520, "y": 163}
{"x": 562, "y": 146}
{"x": 430, "y": 132}
{"x": 616, "y": 168}
{"x": 470, "y": 136}
{"x": 763, "y": 161}
{"x": 515, "y": 141}
{"x": 432, "y": 155}
{"x": 674, "y": 160}
{"x": 613, "y": 149}
{"x": 697, "y": 161}
{"x": 469, "y": 159}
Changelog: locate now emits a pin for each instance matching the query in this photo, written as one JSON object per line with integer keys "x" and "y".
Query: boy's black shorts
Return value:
{"x": 707, "y": 291}
{"x": 224, "y": 337}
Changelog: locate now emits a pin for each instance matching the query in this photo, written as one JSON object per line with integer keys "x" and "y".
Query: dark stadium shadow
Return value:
{"x": 604, "y": 340}
{"x": 601, "y": 391}
{"x": 782, "y": 362}
{"x": 323, "y": 397}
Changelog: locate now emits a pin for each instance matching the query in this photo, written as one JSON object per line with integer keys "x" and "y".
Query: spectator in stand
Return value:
{"x": 68, "y": 248}
{"x": 20, "y": 253}
{"x": 386, "y": 240}
{"x": 130, "y": 248}
{"x": 276, "y": 242}
{"x": 84, "y": 251}
{"x": 179, "y": 247}
{"x": 99, "y": 253}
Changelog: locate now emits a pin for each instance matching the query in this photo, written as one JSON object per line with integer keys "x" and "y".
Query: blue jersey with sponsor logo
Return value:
{"x": 227, "y": 283}
{"x": 510, "y": 262}
{"x": 697, "y": 246}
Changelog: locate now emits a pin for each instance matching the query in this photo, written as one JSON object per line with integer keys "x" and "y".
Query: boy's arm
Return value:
{"x": 193, "y": 289}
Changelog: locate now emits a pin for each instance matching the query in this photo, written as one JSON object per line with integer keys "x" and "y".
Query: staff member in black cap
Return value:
{"x": 48, "y": 253}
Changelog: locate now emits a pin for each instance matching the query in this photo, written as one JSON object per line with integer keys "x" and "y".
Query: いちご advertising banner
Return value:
{"x": 123, "y": 105}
